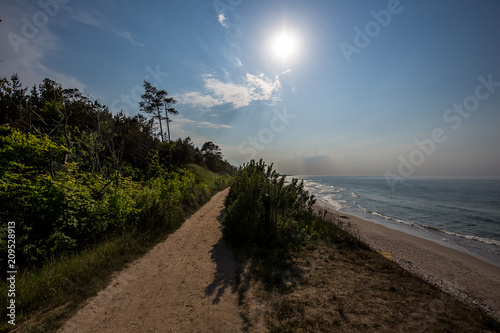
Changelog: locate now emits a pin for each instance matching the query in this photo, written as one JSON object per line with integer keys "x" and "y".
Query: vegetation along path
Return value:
{"x": 184, "y": 284}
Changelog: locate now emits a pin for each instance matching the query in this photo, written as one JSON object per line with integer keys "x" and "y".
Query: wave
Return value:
{"x": 354, "y": 195}
{"x": 468, "y": 237}
{"x": 333, "y": 202}
{"x": 429, "y": 228}
{"x": 412, "y": 224}
{"x": 321, "y": 189}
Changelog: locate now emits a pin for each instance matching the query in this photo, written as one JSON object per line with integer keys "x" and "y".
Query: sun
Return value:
{"x": 284, "y": 46}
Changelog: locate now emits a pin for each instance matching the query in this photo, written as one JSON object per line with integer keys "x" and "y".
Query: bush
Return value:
{"x": 262, "y": 209}
{"x": 58, "y": 213}
{"x": 55, "y": 217}
{"x": 159, "y": 202}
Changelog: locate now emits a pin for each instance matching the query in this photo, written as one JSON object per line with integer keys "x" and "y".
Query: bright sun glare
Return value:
{"x": 284, "y": 46}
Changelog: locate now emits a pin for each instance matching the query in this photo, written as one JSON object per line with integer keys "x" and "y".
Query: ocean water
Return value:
{"x": 460, "y": 213}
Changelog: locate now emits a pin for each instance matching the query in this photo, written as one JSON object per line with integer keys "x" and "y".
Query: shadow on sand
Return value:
{"x": 225, "y": 274}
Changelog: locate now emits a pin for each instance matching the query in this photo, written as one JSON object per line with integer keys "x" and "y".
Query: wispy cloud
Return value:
{"x": 197, "y": 99}
{"x": 184, "y": 127}
{"x": 223, "y": 20}
{"x": 212, "y": 125}
{"x": 253, "y": 88}
{"x": 97, "y": 20}
{"x": 30, "y": 62}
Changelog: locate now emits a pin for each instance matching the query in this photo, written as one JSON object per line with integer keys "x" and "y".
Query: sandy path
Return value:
{"x": 184, "y": 284}
{"x": 471, "y": 280}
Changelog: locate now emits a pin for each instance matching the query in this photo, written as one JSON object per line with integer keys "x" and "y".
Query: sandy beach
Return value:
{"x": 456, "y": 273}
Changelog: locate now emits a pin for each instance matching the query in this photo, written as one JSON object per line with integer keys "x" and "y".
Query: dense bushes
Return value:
{"x": 63, "y": 212}
{"x": 263, "y": 209}
{"x": 77, "y": 180}
{"x": 72, "y": 173}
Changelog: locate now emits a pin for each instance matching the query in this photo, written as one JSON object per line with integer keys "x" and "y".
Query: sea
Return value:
{"x": 463, "y": 214}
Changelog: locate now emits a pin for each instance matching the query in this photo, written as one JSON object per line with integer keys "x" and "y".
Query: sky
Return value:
{"x": 380, "y": 88}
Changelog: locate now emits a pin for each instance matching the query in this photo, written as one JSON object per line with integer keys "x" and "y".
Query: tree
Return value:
{"x": 212, "y": 154}
{"x": 153, "y": 100}
{"x": 13, "y": 99}
{"x": 168, "y": 102}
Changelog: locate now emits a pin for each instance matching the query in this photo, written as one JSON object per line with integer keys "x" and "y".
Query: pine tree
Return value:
{"x": 153, "y": 100}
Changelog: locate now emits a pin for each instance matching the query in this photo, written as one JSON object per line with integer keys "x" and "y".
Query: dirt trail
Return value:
{"x": 184, "y": 284}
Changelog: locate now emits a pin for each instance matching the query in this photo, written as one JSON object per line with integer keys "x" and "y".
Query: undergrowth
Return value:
{"x": 47, "y": 293}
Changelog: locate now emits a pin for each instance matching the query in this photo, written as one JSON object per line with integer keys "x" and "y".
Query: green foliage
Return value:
{"x": 63, "y": 215}
{"x": 74, "y": 177}
{"x": 159, "y": 202}
{"x": 72, "y": 174}
{"x": 264, "y": 210}
{"x": 63, "y": 212}
{"x": 27, "y": 153}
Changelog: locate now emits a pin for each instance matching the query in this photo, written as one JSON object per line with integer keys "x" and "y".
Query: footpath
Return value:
{"x": 184, "y": 284}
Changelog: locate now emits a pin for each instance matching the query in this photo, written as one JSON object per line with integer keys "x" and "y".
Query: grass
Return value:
{"x": 335, "y": 283}
{"x": 206, "y": 176}
{"x": 45, "y": 298}
{"x": 49, "y": 295}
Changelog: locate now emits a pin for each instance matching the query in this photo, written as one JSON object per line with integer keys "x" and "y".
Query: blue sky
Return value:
{"x": 395, "y": 88}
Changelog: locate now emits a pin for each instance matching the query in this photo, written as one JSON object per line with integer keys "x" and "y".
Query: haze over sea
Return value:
{"x": 460, "y": 213}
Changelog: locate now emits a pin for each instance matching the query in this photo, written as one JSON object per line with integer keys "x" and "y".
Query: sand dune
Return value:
{"x": 467, "y": 278}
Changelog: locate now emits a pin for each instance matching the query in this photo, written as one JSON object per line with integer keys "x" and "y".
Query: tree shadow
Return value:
{"x": 225, "y": 274}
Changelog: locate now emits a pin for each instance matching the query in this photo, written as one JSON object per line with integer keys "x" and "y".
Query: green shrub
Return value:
{"x": 159, "y": 202}
{"x": 264, "y": 210}
{"x": 63, "y": 212}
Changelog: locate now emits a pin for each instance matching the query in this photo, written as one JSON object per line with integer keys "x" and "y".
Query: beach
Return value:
{"x": 458, "y": 274}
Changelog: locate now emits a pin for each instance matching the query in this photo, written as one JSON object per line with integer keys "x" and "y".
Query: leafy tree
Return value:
{"x": 212, "y": 155}
{"x": 70, "y": 169}
{"x": 13, "y": 99}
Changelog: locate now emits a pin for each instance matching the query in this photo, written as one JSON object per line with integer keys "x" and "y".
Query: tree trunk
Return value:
{"x": 168, "y": 129}
{"x": 161, "y": 126}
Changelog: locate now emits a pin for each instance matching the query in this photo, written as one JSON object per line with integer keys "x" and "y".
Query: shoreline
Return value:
{"x": 458, "y": 274}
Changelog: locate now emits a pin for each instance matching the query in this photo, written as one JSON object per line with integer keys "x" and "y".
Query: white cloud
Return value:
{"x": 212, "y": 125}
{"x": 98, "y": 21}
{"x": 253, "y": 88}
{"x": 222, "y": 20}
{"x": 198, "y": 99}
{"x": 178, "y": 125}
{"x": 262, "y": 88}
{"x": 183, "y": 127}
{"x": 226, "y": 93}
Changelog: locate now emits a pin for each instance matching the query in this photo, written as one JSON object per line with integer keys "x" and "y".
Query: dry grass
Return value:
{"x": 327, "y": 288}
